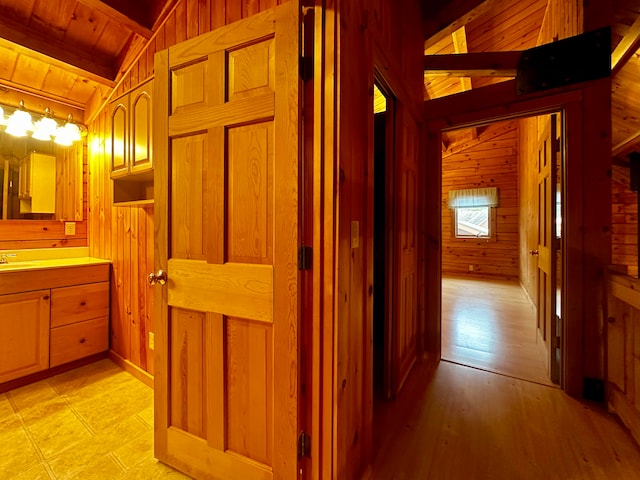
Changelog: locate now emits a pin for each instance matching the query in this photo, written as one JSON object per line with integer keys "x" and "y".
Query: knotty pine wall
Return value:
{"x": 124, "y": 234}
{"x": 624, "y": 222}
{"x": 528, "y": 208}
{"x": 489, "y": 160}
{"x": 386, "y": 33}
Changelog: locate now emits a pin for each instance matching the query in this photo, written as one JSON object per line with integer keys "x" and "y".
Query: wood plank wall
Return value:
{"x": 624, "y": 222}
{"x": 490, "y": 160}
{"x": 528, "y": 207}
{"x": 389, "y": 32}
{"x": 27, "y": 234}
{"x": 124, "y": 234}
{"x": 623, "y": 350}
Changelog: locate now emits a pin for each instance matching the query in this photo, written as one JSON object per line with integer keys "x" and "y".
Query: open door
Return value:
{"x": 226, "y": 187}
{"x": 548, "y": 330}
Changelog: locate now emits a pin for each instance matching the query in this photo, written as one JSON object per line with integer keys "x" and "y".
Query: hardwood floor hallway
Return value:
{"x": 491, "y": 325}
{"x": 453, "y": 422}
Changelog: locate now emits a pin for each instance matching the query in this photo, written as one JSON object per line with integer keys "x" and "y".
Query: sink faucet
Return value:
{"x": 4, "y": 257}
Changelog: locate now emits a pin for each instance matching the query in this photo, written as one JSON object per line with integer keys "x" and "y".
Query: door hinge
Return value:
{"x": 306, "y": 68}
{"x": 304, "y": 445}
{"x": 305, "y": 257}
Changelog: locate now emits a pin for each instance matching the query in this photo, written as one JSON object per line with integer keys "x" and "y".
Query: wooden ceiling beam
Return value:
{"x": 626, "y": 48}
{"x": 56, "y": 53}
{"x": 626, "y": 145}
{"x": 460, "y": 46}
{"x": 476, "y": 64}
{"x": 131, "y": 14}
{"x": 451, "y": 16}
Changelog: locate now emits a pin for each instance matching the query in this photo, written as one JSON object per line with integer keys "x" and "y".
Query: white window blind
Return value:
{"x": 473, "y": 197}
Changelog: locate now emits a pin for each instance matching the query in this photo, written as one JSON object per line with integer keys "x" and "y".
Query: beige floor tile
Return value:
{"x": 37, "y": 472}
{"x": 136, "y": 451}
{"x": 57, "y": 432}
{"x": 91, "y": 380}
{"x": 18, "y": 453}
{"x": 146, "y": 416}
{"x": 6, "y": 410}
{"x": 36, "y": 400}
{"x": 113, "y": 406}
{"x": 102, "y": 467}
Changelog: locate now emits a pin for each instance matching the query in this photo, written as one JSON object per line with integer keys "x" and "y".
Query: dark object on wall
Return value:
{"x": 634, "y": 163}
{"x": 593, "y": 389}
{"x": 565, "y": 62}
{"x": 634, "y": 185}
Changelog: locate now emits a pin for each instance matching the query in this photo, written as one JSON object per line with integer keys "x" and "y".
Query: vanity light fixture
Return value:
{"x": 47, "y": 128}
{"x": 19, "y": 122}
{"x": 68, "y": 133}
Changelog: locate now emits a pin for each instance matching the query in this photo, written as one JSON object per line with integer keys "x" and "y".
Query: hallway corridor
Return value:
{"x": 453, "y": 422}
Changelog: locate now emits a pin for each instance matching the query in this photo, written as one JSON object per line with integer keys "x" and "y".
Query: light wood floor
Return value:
{"x": 94, "y": 422}
{"x": 491, "y": 324}
{"x": 453, "y": 422}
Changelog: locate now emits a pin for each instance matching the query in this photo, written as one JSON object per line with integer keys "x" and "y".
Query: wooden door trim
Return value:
{"x": 498, "y": 102}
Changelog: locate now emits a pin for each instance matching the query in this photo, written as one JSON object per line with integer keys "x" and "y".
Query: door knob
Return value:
{"x": 533, "y": 252}
{"x": 160, "y": 277}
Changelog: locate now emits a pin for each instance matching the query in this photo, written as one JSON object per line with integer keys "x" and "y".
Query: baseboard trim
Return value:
{"x": 127, "y": 366}
{"x": 50, "y": 372}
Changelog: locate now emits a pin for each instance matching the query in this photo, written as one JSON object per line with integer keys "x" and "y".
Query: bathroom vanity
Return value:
{"x": 52, "y": 312}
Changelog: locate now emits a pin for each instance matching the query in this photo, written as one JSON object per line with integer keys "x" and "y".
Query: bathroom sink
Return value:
{"x": 19, "y": 265}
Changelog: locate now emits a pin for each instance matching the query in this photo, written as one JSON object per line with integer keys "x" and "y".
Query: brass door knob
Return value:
{"x": 533, "y": 252}
{"x": 160, "y": 277}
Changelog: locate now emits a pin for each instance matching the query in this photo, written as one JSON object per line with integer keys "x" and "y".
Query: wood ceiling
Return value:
{"x": 514, "y": 25}
{"x": 65, "y": 50}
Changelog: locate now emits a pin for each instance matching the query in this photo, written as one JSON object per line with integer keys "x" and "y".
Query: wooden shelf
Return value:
{"x": 133, "y": 189}
{"x": 134, "y": 203}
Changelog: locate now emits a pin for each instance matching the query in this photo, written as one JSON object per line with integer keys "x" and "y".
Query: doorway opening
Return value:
{"x": 383, "y": 181}
{"x": 502, "y": 249}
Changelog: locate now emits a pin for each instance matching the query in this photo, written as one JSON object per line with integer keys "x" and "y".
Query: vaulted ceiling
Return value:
{"x": 65, "y": 50}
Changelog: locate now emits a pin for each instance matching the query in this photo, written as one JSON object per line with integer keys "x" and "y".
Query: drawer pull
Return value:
{"x": 82, "y": 340}
{"x": 83, "y": 303}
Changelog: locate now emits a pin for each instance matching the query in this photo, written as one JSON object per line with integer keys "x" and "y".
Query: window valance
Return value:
{"x": 473, "y": 197}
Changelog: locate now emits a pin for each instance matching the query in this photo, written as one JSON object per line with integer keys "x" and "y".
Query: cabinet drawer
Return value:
{"x": 79, "y": 303}
{"x": 78, "y": 340}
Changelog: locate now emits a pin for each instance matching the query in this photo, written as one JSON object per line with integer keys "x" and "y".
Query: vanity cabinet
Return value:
{"x": 79, "y": 322}
{"x": 24, "y": 334}
{"x": 52, "y": 316}
{"x": 131, "y": 154}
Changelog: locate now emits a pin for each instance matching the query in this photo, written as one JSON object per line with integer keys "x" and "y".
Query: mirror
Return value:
{"x": 40, "y": 180}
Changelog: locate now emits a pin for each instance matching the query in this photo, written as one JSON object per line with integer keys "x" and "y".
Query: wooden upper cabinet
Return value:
{"x": 119, "y": 114}
{"x": 140, "y": 147}
{"x": 131, "y": 156}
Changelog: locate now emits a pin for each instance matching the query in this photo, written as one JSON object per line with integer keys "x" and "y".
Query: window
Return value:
{"x": 472, "y": 222}
{"x": 473, "y": 215}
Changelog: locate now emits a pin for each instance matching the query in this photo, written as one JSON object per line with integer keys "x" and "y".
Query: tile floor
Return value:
{"x": 94, "y": 422}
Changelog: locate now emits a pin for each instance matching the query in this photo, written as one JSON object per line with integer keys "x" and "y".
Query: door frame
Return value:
{"x": 586, "y": 107}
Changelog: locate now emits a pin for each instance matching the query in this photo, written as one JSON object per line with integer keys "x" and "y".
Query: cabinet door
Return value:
{"x": 24, "y": 334}
{"x": 119, "y": 113}
{"x": 140, "y": 140}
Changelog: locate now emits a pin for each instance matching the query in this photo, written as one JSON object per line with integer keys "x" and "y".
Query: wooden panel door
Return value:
{"x": 548, "y": 149}
{"x": 226, "y": 182}
{"x": 405, "y": 317}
